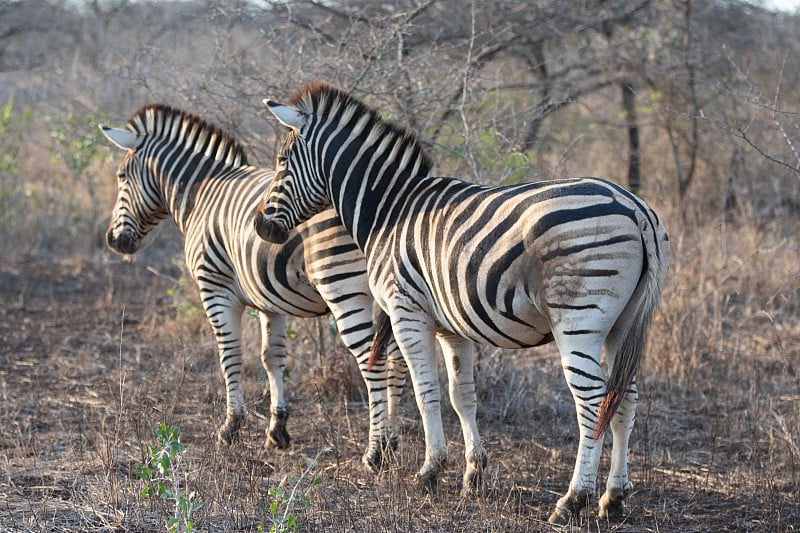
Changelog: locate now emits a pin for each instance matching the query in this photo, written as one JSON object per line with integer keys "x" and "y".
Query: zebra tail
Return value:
{"x": 383, "y": 332}
{"x": 632, "y": 326}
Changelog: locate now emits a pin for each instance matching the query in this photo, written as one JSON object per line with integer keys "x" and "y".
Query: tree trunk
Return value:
{"x": 634, "y": 157}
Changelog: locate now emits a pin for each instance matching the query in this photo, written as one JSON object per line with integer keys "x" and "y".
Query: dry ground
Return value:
{"x": 94, "y": 356}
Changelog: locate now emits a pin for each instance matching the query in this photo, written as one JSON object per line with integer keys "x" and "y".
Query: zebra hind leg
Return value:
{"x": 612, "y": 503}
{"x": 580, "y": 360}
{"x": 227, "y": 327}
{"x": 380, "y": 446}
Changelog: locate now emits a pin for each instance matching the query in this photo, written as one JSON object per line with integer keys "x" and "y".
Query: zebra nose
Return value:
{"x": 125, "y": 243}
{"x": 270, "y": 230}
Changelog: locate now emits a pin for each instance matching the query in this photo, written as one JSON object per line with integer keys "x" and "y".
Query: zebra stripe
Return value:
{"x": 577, "y": 261}
{"x": 177, "y": 165}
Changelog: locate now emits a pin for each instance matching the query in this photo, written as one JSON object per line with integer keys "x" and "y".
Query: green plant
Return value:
{"x": 186, "y": 299}
{"x": 162, "y": 478}
{"x": 279, "y": 511}
{"x": 77, "y": 144}
{"x": 13, "y": 195}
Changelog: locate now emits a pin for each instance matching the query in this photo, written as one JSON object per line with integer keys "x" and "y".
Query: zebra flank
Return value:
{"x": 180, "y": 166}
{"x": 580, "y": 262}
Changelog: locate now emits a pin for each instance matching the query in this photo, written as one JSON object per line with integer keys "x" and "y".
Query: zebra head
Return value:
{"x": 297, "y": 191}
{"x": 138, "y": 208}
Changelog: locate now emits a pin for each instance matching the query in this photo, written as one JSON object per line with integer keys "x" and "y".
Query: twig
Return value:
{"x": 465, "y": 86}
{"x": 310, "y": 466}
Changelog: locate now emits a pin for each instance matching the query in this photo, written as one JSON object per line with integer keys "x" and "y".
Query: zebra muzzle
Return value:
{"x": 270, "y": 230}
{"x": 124, "y": 243}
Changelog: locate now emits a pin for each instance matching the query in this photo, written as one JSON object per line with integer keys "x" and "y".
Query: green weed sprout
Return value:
{"x": 280, "y": 514}
{"x": 162, "y": 479}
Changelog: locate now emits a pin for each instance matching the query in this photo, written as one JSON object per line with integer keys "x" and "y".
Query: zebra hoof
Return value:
{"x": 278, "y": 438}
{"x": 612, "y": 504}
{"x": 380, "y": 455}
{"x": 428, "y": 481}
{"x": 228, "y": 434}
{"x": 561, "y": 517}
{"x": 473, "y": 476}
{"x": 568, "y": 509}
{"x": 373, "y": 460}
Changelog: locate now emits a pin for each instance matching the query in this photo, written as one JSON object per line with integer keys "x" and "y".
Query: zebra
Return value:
{"x": 178, "y": 165}
{"x": 577, "y": 261}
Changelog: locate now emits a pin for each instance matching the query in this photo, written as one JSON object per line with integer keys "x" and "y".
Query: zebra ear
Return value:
{"x": 287, "y": 115}
{"x": 127, "y": 140}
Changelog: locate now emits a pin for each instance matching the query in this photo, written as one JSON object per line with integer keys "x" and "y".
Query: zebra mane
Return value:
{"x": 319, "y": 98}
{"x": 170, "y": 124}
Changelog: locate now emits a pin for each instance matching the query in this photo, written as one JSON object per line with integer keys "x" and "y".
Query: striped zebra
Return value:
{"x": 178, "y": 165}
{"x": 577, "y": 261}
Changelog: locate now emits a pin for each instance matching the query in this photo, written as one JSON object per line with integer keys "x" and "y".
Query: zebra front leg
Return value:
{"x": 396, "y": 380}
{"x": 459, "y": 358}
{"x": 227, "y": 325}
{"x": 355, "y": 322}
{"x": 273, "y": 359}
{"x": 393, "y": 373}
{"x": 586, "y": 380}
{"x": 618, "y": 486}
{"x": 380, "y": 445}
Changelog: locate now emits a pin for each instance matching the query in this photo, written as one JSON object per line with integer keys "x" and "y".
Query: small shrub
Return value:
{"x": 161, "y": 475}
{"x": 279, "y": 512}
{"x": 14, "y": 195}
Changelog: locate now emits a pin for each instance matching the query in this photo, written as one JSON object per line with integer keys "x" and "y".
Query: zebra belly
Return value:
{"x": 519, "y": 325}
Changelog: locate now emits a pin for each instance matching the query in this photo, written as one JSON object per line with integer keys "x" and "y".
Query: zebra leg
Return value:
{"x": 612, "y": 503}
{"x": 355, "y": 324}
{"x": 459, "y": 358}
{"x": 396, "y": 381}
{"x": 580, "y": 359}
{"x": 273, "y": 359}
{"x": 416, "y": 341}
{"x": 380, "y": 443}
{"x": 227, "y": 325}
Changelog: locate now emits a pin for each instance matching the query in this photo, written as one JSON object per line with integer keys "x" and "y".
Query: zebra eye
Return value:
{"x": 281, "y": 159}
{"x": 120, "y": 175}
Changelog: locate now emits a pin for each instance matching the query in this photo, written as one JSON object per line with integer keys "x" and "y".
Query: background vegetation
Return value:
{"x": 691, "y": 103}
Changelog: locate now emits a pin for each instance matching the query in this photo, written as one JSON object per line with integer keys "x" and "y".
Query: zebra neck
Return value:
{"x": 363, "y": 205}
{"x": 365, "y": 198}
{"x": 179, "y": 179}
